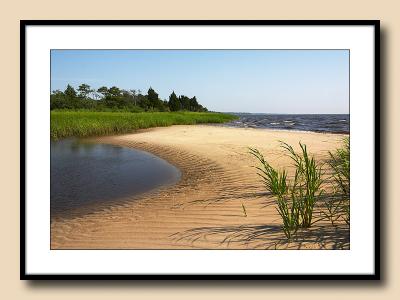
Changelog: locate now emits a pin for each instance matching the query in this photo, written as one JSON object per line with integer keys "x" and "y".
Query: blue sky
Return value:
{"x": 258, "y": 81}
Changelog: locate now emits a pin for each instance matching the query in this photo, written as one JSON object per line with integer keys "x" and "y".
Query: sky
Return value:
{"x": 256, "y": 81}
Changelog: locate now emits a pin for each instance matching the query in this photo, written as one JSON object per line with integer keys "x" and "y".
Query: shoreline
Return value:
{"x": 204, "y": 209}
{"x": 280, "y": 129}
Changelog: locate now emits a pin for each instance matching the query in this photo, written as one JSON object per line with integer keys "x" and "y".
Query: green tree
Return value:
{"x": 84, "y": 90}
{"x": 134, "y": 96}
{"x": 152, "y": 97}
{"x": 185, "y": 102}
{"x": 143, "y": 102}
{"x": 57, "y": 100}
{"x": 103, "y": 90}
{"x": 173, "y": 102}
{"x": 86, "y": 98}
{"x": 114, "y": 92}
{"x": 194, "y": 106}
{"x": 70, "y": 92}
{"x": 71, "y": 99}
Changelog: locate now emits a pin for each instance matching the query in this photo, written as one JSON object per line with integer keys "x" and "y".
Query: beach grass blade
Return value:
{"x": 274, "y": 180}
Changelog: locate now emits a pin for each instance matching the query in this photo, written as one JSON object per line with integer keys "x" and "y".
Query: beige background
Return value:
{"x": 11, "y": 12}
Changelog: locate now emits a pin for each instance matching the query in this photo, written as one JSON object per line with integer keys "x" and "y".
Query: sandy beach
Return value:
{"x": 205, "y": 209}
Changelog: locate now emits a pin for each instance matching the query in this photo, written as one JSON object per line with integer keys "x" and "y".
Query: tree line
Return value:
{"x": 114, "y": 98}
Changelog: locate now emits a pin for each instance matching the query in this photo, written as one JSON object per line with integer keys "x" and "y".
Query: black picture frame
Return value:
{"x": 377, "y": 267}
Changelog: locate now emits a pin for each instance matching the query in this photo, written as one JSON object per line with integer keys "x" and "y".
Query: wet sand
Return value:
{"x": 204, "y": 210}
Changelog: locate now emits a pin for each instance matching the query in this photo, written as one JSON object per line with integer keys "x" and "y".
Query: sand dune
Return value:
{"x": 204, "y": 210}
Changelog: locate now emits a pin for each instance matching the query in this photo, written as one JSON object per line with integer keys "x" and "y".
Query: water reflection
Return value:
{"x": 84, "y": 173}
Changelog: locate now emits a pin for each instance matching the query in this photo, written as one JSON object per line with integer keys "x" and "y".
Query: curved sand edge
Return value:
{"x": 204, "y": 210}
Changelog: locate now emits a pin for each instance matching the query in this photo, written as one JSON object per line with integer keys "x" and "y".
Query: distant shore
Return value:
{"x": 205, "y": 209}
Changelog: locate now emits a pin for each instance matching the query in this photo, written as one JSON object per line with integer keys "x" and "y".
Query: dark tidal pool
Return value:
{"x": 84, "y": 174}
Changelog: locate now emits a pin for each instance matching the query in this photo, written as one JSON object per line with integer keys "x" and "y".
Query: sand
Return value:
{"x": 204, "y": 210}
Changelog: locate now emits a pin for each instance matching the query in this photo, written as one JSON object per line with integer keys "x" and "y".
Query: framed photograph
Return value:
{"x": 200, "y": 150}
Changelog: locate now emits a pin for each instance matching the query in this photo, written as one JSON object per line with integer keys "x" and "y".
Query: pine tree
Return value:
{"x": 173, "y": 102}
{"x": 152, "y": 97}
{"x": 70, "y": 92}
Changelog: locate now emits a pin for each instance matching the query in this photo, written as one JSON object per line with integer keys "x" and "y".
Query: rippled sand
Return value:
{"x": 204, "y": 210}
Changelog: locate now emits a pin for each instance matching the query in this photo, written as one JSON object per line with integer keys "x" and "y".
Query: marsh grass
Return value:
{"x": 87, "y": 123}
{"x": 340, "y": 164}
{"x": 290, "y": 214}
{"x": 339, "y": 207}
{"x": 307, "y": 182}
{"x": 274, "y": 180}
{"x": 296, "y": 199}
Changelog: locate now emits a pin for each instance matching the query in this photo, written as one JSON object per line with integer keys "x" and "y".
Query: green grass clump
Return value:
{"x": 339, "y": 206}
{"x": 295, "y": 200}
{"x": 274, "y": 180}
{"x": 87, "y": 123}
{"x": 340, "y": 164}
{"x": 307, "y": 182}
{"x": 290, "y": 213}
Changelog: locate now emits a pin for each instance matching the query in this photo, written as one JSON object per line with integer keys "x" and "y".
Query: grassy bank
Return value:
{"x": 85, "y": 123}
